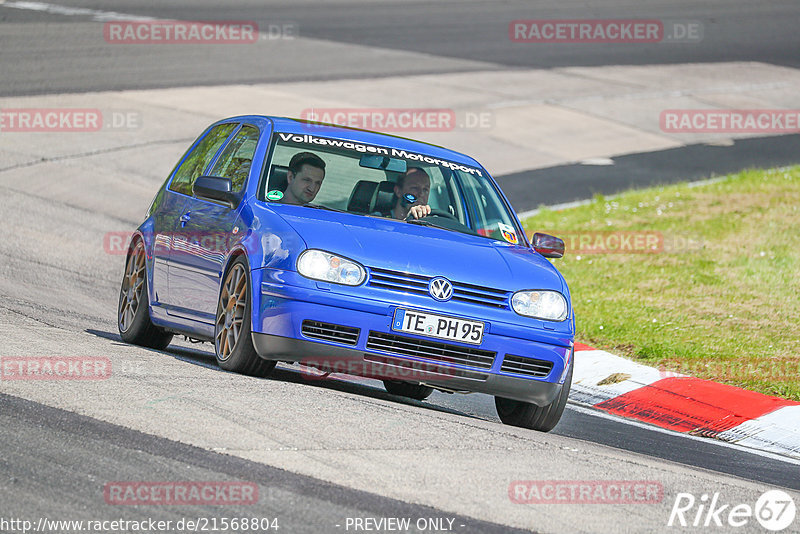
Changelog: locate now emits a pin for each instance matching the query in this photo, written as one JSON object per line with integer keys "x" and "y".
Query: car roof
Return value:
{"x": 299, "y": 126}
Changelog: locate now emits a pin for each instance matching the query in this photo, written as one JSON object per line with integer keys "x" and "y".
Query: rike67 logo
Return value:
{"x": 775, "y": 510}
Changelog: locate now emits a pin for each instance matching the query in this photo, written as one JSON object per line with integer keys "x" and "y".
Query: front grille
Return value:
{"x": 418, "y": 284}
{"x": 430, "y": 350}
{"x": 330, "y": 332}
{"x": 526, "y": 366}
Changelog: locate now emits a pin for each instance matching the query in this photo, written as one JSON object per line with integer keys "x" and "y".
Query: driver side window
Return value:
{"x": 235, "y": 161}
{"x": 197, "y": 161}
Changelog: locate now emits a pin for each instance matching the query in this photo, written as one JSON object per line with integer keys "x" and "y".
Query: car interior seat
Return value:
{"x": 278, "y": 178}
{"x": 361, "y": 199}
{"x": 384, "y": 197}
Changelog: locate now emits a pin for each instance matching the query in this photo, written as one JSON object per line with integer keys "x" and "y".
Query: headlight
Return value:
{"x": 321, "y": 265}
{"x": 549, "y": 305}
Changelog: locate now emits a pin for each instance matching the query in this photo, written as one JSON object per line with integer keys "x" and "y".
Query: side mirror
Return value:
{"x": 547, "y": 245}
{"x": 215, "y": 188}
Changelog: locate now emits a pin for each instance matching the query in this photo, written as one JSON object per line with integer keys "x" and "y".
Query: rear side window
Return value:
{"x": 235, "y": 161}
{"x": 196, "y": 162}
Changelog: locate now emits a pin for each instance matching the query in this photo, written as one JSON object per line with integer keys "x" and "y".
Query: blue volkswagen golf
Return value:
{"x": 353, "y": 252}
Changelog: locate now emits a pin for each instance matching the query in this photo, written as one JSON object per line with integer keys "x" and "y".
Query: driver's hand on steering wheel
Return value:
{"x": 419, "y": 211}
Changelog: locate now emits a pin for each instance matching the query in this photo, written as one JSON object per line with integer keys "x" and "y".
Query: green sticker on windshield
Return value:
{"x": 275, "y": 195}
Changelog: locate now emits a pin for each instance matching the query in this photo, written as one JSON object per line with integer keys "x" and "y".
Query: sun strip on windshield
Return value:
{"x": 361, "y": 148}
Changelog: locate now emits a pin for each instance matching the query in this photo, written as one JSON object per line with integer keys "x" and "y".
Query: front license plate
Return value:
{"x": 438, "y": 326}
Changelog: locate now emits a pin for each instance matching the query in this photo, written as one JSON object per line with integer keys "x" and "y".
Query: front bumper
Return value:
{"x": 328, "y": 357}
{"x": 279, "y": 333}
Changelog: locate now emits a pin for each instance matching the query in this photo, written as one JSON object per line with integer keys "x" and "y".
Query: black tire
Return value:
{"x": 133, "y": 310}
{"x": 404, "y": 389}
{"x": 529, "y": 415}
{"x": 232, "y": 324}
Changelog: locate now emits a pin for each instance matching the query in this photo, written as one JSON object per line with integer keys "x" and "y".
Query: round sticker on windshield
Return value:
{"x": 274, "y": 195}
{"x": 508, "y": 233}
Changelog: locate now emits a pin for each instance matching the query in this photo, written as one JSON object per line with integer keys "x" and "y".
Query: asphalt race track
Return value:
{"x": 322, "y": 452}
{"x": 467, "y": 32}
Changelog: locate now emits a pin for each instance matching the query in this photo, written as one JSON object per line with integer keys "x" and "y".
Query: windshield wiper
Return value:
{"x": 321, "y": 207}
{"x": 423, "y": 222}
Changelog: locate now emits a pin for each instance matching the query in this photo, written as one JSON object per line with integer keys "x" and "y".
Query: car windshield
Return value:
{"x": 363, "y": 179}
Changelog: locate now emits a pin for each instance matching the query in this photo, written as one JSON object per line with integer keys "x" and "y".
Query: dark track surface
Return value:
{"x": 51, "y": 53}
{"x": 63, "y": 477}
{"x": 566, "y": 183}
{"x": 44, "y": 52}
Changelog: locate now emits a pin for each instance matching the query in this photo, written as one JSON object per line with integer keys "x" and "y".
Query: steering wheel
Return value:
{"x": 436, "y": 213}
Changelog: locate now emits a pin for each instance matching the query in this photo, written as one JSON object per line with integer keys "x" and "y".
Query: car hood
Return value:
{"x": 396, "y": 245}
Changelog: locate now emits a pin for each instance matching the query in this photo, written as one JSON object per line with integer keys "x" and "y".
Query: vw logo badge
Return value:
{"x": 440, "y": 288}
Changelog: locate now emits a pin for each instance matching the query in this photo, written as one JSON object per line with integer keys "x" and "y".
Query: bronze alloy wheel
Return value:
{"x": 231, "y": 311}
{"x": 132, "y": 288}
{"x": 133, "y": 312}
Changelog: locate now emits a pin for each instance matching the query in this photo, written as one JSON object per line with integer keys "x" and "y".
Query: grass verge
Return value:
{"x": 698, "y": 279}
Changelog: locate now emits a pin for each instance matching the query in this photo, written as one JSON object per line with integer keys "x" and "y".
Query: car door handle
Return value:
{"x": 184, "y": 219}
